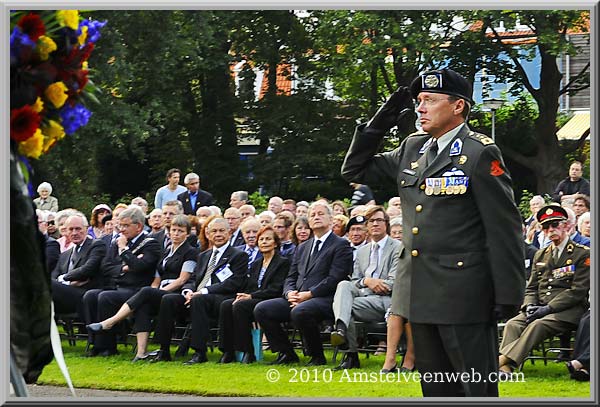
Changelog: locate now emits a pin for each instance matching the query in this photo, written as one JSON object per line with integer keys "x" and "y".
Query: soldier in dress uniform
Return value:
{"x": 557, "y": 293}
{"x": 461, "y": 228}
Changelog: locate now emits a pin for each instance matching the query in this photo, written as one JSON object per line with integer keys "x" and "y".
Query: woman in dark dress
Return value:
{"x": 265, "y": 281}
{"x": 172, "y": 272}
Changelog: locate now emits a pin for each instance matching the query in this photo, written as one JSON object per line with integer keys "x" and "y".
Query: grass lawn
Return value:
{"x": 235, "y": 380}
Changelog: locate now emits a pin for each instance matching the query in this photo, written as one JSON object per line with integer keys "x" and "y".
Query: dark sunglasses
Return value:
{"x": 554, "y": 224}
{"x": 50, "y": 223}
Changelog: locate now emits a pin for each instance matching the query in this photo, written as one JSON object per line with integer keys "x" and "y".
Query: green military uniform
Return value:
{"x": 563, "y": 285}
{"x": 463, "y": 232}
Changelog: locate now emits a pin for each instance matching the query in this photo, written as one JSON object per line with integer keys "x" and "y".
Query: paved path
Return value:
{"x": 62, "y": 392}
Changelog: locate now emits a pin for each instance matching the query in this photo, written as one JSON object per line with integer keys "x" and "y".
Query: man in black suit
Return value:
{"x": 318, "y": 266}
{"x": 220, "y": 273}
{"x": 138, "y": 255}
{"x": 78, "y": 269}
{"x": 169, "y": 210}
{"x": 194, "y": 197}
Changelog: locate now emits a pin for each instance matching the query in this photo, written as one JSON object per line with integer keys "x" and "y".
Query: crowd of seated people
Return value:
{"x": 295, "y": 264}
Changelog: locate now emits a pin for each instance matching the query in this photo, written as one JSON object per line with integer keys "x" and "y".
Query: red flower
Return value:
{"x": 32, "y": 25}
{"x": 24, "y": 122}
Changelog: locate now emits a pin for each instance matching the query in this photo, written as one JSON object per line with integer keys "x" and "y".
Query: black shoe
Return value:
{"x": 95, "y": 327}
{"x": 92, "y": 353}
{"x": 286, "y": 358}
{"x": 392, "y": 369}
{"x": 581, "y": 375}
{"x": 199, "y": 357}
{"x": 317, "y": 361}
{"x": 248, "y": 358}
{"x": 161, "y": 356}
{"x": 338, "y": 336}
{"x": 227, "y": 357}
{"x": 108, "y": 352}
{"x": 350, "y": 361}
{"x": 139, "y": 358}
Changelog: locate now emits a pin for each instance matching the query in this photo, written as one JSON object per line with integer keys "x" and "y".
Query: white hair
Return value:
{"x": 268, "y": 213}
{"x": 582, "y": 218}
{"x": 45, "y": 186}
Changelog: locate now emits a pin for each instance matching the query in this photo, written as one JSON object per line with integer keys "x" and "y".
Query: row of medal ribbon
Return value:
{"x": 446, "y": 185}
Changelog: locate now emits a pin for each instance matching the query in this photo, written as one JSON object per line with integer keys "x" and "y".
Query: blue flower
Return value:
{"x": 94, "y": 27}
{"x": 74, "y": 117}
{"x": 17, "y": 40}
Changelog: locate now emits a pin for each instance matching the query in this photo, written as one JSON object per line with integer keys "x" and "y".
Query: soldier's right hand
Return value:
{"x": 389, "y": 113}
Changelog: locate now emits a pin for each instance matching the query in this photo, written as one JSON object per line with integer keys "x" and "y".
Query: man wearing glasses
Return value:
{"x": 557, "y": 293}
{"x": 461, "y": 228}
{"x": 367, "y": 297}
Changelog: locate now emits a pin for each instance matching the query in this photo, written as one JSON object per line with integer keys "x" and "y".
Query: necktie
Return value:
{"x": 432, "y": 151}
{"x": 250, "y": 252}
{"x": 555, "y": 254}
{"x": 167, "y": 242}
{"x": 73, "y": 259}
{"x": 211, "y": 267}
{"x": 371, "y": 270}
{"x": 315, "y": 251}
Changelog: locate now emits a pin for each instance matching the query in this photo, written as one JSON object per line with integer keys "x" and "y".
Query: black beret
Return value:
{"x": 551, "y": 212}
{"x": 356, "y": 220}
{"x": 444, "y": 81}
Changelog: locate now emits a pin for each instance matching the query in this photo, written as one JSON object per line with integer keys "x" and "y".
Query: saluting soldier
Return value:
{"x": 461, "y": 228}
{"x": 557, "y": 293}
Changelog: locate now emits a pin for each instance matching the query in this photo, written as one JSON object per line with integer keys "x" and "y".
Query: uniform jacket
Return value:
{"x": 466, "y": 248}
{"x": 204, "y": 199}
{"x": 86, "y": 264}
{"x": 272, "y": 282}
{"x": 234, "y": 258}
{"x": 387, "y": 265}
{"x": 321, "y": 276}
{"x": 564, "y": 284}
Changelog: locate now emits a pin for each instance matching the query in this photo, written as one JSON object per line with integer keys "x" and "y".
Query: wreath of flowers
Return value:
{"x": 49, "y": 77}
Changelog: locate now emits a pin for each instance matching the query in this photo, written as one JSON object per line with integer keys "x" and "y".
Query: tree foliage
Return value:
{"x": 169, "y": 99}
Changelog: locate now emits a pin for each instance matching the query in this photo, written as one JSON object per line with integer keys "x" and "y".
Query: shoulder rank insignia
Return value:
{"x": 485, "y": 140}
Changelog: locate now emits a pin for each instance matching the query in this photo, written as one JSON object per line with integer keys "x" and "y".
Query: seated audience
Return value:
{"x": 61, "y": 218}
{"x": 556, "y": 294}
{"x": 52, "y": 247}
{"x": 234, "y": 218}
{"x": 574, "y": 234}
{"x": 219, "y": 274}
{"x": 98, "y": 213}
{"x": 339, "y": 208}
{"x": 247, "y": 211}
{"x": 367, "y": 296}
{"x": 289, "y": 205}
{"x": 583, "y": 225}
{"x": 204, "y": 212}
{"x": 266, "y": 218}
{"x": 238, "y": 199}
{"x": 396, "y": 228}
{"x": 45, "y": 201}
{"x": 579, "y": 366}
{"x": 300, "y": 231}
{"x": 250, "y": 228}
{"x": 78, "y": 269}
{"x": 357, "y": 233}
{"x": 172, "y": 272}
{"x": 283, "y": 227}
{"x": 301, "y": 209}
{"x": 265, "y": 281}
{"x": 339, "y": 225}
{"x": 155, "y": 221}
{"x": 317, "y": 267}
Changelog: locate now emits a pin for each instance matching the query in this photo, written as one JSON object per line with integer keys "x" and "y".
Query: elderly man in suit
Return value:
{"x": 368, "y": 295}
{"x": 238, "y": 199}
{"x": 78, "y": 269}
{"x": 557, "y": 292}
{"x": 234, "y": 218}
{"x": 461, "y": 227}
{"x": 220, "y": 273}
{"x": 194, "y": 197}
{"x": 318, "y": 265}
{"x": 169, "y": 210}
{"x": 139, "y": 256}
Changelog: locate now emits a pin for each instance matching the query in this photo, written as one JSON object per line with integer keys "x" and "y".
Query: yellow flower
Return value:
{"x": 53, "y": 130}
{"x": 55, "y": 93}
{"x": 69, "y": 18}
{"x": 32, "y": 147}
{"x": 38, "y": 106}
{"x": 45, "y": 46}
{"x": 84, "y": 65}
{"x": 84, "y": 31}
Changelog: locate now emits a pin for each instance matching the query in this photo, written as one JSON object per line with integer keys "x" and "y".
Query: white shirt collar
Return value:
{"x": 445, "y": 139}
